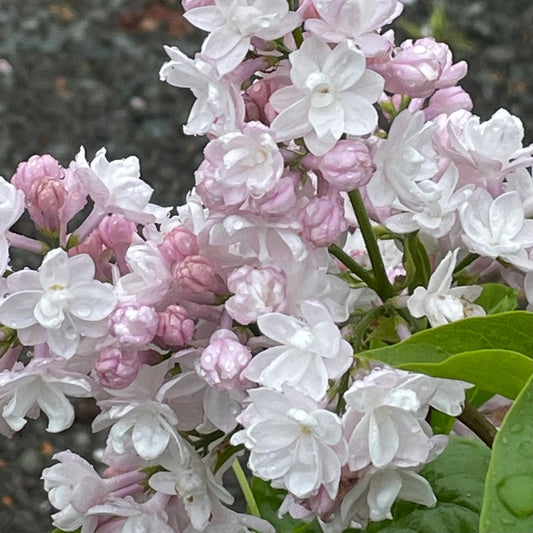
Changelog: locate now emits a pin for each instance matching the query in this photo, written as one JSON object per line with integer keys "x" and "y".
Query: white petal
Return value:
{"x": 92, "y": 301}
{"x": 57, "y": 408}
{"x": 16, "y": 311}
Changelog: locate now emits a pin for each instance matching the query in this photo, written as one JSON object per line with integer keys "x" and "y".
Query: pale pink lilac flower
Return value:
{"x": 441, "y": 303}
{"x": 239, "y": 165}
{"x": 310, "y": 351}
{"x": 497, "y": 227}
{"x": 219, "y": 107}
{"x": 59, "y": 304}
{"x": 293, "y": 441}
{"x": 486, "y": 151}
{"x": 134, "y": 324}
{"x": 11, "y": 208}
{"x": 447, "y": 101}
{"x": 256, "y": 291}
{"x": 356, "y": 20}
{"x": 384, "y": 421}
{"x": 42, "y": 384}
{"x": 403, "y": 161}
{"x": 332, "y": 94}
{"x": 232, "y": 24}
{"x": 196, "y": 274}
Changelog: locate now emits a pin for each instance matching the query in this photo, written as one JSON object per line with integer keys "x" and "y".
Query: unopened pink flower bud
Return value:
{"x": 44, "y": 202}
{"x": 116, "y": 232}
{"x": 279, "y": 201}
{"x": 223, "y": 361}
{"x": 134, "y": 324}
{"x": 116, "y": 368}
{"x": 178, "y": 244}
{"x": 196, "y": 274}
{"x": 175, "y": 327}
{"x": 348, "y": 165}
{"x": 418, "y": 68}
{"x": 447, "y": 101}
{"x": 322, "y": 220}
{"x": 94, "y": 247}
{"x": 35, "y": 169}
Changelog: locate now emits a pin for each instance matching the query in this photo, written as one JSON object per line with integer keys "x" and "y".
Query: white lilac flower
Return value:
{"x": 130, "y": 516}
{"x": 310, "y": 352}
{"x": 42, "y": 384}
{"x": 441, "y": 303}
{"x": 192, "y": 480}
{"x": 373, "y": 495}
{"x": 432, "y": 213}
{"x": 384, "y": 420}
{"x": 357, "y": 20}
{"x": 233, "y": 23}
{"x": 73, "y": 487}
{"x": 219, "y": 107}
{"x": 403, "y": 161}
{"x": 58, "y": 304}
{"x": 488, "y": 150}
{"x": 11, "y": 207}
{"x": 116, "y": 186}
{"x": 497, "y": 227}
{"x": 137, "y": 418}
{"x": 292, "y": 441}
{"x": 224, "y": 520}
{"x": 332, "y": 94}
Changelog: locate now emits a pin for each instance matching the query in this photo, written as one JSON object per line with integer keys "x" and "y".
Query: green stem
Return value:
{"x": 382, "y": 286}
{"x": 475, "y": 421}
{"x": 352, "y": 265}
{"x": 245, "y": 487}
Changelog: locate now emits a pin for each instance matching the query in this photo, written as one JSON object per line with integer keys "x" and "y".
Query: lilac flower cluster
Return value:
{"x": 227, "y": 326}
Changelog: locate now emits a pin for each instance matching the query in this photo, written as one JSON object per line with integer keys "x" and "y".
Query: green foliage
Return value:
{"x": 511, "y": 331}
{"x": 497, "y": 371}
{"x": 497, "y": 298}
{"x": 457, "y": 479}
{"x": 269, "y": 500}
{"x": 508, "y": 499}
{"x": 416, "y": 262}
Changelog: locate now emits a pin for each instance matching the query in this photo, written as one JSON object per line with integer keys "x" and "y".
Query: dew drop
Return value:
{"x": 516, "y": 495}
{"x": 516, "y": 428}
{"x": 506, "y": 521}
{"x": 504, "y": 440}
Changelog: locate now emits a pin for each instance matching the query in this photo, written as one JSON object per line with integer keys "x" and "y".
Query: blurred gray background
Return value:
{"x": 85, "y": 72}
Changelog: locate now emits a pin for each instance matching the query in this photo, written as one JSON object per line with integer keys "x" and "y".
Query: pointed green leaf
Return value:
{"x": 497, "y": 371}
{"x": 511, "y": 331}
{"x": 508, "y": 498}
{"x": 497, "y": 298}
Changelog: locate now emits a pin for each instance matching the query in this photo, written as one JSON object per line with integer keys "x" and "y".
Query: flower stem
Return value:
{"x": 382, "y": 284}
{"x": 475, "y": 421}
{"x": 352, "y": 265}
{"x": 245, "y": 487}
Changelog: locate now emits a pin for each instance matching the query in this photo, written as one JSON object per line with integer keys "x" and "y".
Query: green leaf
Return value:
{"x": 497, "y": 298}
{"x": 511, "y": 331}
{"x": 457, "y": 479}
{"x": 416, "y": 262}
{"x": 497, "y": 371}
{"x": 269, "y": 500}
{"x": 508, "y": 501}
